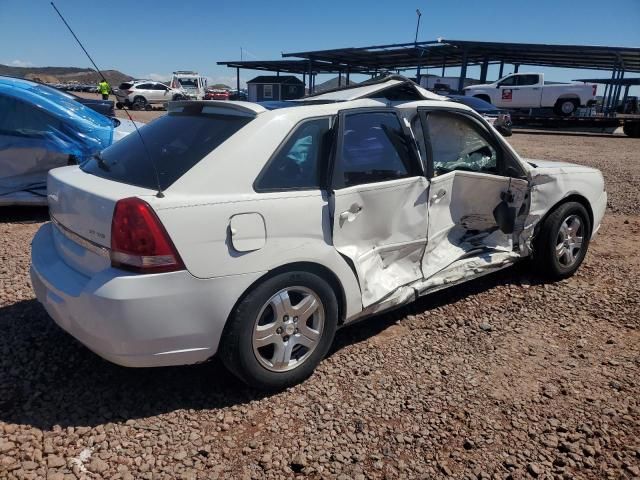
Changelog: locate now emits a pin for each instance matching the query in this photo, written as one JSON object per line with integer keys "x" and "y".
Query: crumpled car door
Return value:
{"x": 474, "y": 203}
{"x": 379, "y": 203}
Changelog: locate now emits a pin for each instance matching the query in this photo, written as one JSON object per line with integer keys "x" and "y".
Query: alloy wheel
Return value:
{"x": 288, "y": 329}
{"x": 569, "y": 240}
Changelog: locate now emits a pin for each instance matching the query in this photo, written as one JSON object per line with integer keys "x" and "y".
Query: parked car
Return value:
{"x": 192, "y": 85}
{"x": 216, "y": 94}
{"x": 43, "y": 128}
{"x": 275, "y": 227}
{"x": 140, "y": 95}
{"x": 529, "y": 90}
{"x": 500, "y": 119}
{"x": 239, "y": 95}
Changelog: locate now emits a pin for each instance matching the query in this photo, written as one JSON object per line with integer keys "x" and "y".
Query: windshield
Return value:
{"x": 188, "y": 82}
{"x": 174, "y": 144}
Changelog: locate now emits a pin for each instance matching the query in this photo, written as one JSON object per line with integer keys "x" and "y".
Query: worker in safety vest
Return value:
{"x": 104, "y": 89}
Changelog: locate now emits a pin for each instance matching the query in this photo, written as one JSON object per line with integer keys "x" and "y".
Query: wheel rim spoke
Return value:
{"x": 306, "y": 308}
{"x": 308, "y": 332}
{"x": 266, "y": 336}
{"x": 281, "y": 304}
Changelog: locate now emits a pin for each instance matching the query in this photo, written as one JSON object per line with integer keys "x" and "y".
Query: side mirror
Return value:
{"x": 498, "y": 86}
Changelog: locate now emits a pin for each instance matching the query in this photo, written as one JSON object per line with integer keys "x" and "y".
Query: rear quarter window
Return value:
{"x": 175, "y": 143}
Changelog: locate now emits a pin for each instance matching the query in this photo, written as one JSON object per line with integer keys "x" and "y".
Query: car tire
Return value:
{"x": 562, "y": 241}
{"x": 139, "y": 103}
{"x": 566, "y": 107}
{"x": 266, "y": 344}
{"x": 119, "y": 105}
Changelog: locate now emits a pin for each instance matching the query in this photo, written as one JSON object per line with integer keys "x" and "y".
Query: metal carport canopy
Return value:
{"x": 290, "y": 66}
{"x": 450, "y": 53}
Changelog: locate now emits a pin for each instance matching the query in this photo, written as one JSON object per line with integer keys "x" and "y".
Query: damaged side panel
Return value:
{"x": 462, "y": 217}
{"x": 381, "y": 229}
{"x": 550, "y": 184}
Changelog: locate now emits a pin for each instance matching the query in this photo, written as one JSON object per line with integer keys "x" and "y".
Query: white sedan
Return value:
{"x": 253, "y": 233}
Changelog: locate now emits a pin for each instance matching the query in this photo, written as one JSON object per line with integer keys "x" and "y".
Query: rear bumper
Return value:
{"x": 135, "y": 320}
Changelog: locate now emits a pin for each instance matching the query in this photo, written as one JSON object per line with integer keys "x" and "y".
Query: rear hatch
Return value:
{"x": 81, "y": 208}
{"x": 82, "y": 199}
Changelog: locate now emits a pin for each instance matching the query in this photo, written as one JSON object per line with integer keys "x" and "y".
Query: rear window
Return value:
{"x": 125, "y": 86}
{"x": 175, "y": 143}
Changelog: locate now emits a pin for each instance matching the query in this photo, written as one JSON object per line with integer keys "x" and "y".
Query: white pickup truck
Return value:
{"x": 529, "y": 90}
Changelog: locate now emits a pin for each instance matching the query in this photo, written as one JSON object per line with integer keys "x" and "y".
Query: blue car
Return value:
{"x": 500, "y": 119}
{"x": 43, "y": 128}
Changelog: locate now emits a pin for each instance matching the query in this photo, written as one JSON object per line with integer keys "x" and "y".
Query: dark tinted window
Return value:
{"x": 524, "y": 80}
{"x": 295, "y": 165}
{"x": 374, "y": 149}
{"x": 125, "y": 86}
{"x": 175, "y": 142}
{"x": 509, "y": 81}
{"x": 144, "y": 86}
{"x": 158, "y": 86}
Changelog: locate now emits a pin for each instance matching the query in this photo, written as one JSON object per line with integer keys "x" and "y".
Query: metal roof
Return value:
{"x": 289, "y": 66}
{"x": 452, "y": 53}
{"x": 609, "y": 81}
{"x": 286, "y": 79}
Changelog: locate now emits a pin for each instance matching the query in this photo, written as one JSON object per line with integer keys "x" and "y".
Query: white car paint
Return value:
{"x": 508, "y": 93}
{"x": 404, "y": 238}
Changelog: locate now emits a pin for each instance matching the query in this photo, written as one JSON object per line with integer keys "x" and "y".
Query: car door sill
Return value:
{"x": 460, "y": 271}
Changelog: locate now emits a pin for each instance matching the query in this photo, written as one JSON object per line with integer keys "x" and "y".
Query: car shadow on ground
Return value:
{"x": 47, "y": 378}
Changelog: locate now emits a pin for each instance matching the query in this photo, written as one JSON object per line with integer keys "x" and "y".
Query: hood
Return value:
{"x": 480, "y": 85}
{"x": 549, "y": 166}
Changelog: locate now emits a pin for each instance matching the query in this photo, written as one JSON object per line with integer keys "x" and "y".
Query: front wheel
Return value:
{"x": 562, "y": 242}
{"x": 280, "y": 331}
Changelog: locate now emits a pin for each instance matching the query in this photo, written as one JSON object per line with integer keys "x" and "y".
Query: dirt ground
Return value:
{"x": 508, "y": 376}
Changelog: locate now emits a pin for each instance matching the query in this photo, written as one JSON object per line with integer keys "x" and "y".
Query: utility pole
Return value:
{"x": 415, "y": 42}
{"x": 418, "y": 25}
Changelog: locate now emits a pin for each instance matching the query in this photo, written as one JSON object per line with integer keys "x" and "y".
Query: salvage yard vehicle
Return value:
{"x": 254, "y": 233}
{"x": 192, "y": 85}
{"x": 500, "y": 119}
{"x": 140, "y": 95}
{"x": 529, "y": 90}
{"x": 42, "y": 128}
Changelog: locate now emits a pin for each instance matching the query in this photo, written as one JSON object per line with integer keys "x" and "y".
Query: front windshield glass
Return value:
{"x": 188, "y": 82}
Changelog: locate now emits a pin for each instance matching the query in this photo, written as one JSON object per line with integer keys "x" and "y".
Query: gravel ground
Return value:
{"x": 504, "y": 377}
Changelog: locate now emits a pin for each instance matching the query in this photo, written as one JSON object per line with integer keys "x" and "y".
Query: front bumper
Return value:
{"x": 135, "y": 320}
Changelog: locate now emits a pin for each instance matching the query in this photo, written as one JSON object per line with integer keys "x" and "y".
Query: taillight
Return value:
{"x": 128, "y": 92}
{"x": 139, "y": 241}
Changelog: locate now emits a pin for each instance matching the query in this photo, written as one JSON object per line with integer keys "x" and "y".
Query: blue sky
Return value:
{"x": 151, "y": 38}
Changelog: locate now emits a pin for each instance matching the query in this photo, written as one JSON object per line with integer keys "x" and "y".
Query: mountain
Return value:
{"x": 331, "y": 84}
{"x": 63, "y": 74}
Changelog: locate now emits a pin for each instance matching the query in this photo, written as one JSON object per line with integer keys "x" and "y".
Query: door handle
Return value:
{"x": 351, "y": 214}
{"x": 441, "y": 193}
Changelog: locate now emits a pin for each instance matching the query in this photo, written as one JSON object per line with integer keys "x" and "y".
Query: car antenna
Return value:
{"x": 144, "y": 145}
